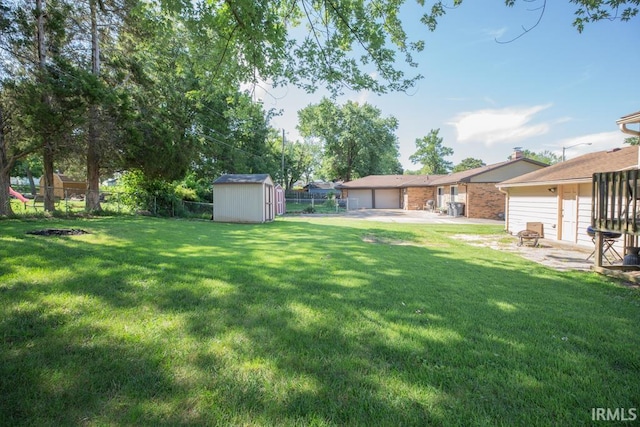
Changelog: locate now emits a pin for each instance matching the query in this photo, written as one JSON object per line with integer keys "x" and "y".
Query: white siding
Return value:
{"x": 533, "y": 204}
{"x": 537, "y": 204}
{"x": 387, "y": 199}
{"x": 584, "y": 215}
{"x": 238, "y": 203}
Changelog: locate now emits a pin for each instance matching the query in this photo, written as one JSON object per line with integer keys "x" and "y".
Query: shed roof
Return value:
{"x": 242, "y": 178}
{"x": 579, "y": 169}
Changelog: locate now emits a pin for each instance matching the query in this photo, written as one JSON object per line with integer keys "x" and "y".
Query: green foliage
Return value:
{"x": 357, "y": 140}
{"x": 587, "y": 11}
{"x": 546, "y": 156}
{"x": 431, "y": 153}
{"x": 201, "y": 186}
{"x": 331, "y": 201}
{"x": 633, "y": 140}
{"x": 467, "y": 164}
{"x": 153, "y": 195}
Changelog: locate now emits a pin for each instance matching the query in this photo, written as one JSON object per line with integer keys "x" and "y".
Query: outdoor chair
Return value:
{"x": 609, "y": 239}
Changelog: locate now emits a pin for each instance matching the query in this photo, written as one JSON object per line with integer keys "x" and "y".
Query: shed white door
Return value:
{"x": 387, "y": 199}
{"x": 365, "y": 201}
{"x": 569, "y": 213}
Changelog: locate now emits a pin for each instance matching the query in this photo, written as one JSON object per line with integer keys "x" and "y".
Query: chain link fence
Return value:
{"x": 71, "y": 201}
{"x": 303, "y": 202}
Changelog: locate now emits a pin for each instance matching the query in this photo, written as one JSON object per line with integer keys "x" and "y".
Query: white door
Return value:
{"x": 440, "y": 197}
{"x": 569, "y": 213}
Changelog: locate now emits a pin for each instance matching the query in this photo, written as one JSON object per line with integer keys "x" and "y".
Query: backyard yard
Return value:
{"x": 303, "y": 321}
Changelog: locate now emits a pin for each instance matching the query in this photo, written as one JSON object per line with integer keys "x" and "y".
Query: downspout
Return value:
{"x": 506, "y": 208}
{"x": 626, "y": 130}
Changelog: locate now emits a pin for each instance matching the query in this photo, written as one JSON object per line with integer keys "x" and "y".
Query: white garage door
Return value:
{"x": 387, "y": 199}
{"x": 364, "y": 199}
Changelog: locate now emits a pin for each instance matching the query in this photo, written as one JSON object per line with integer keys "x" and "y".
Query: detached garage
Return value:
{"x": 376, "y": 191}
{"x": 244, "y": 198}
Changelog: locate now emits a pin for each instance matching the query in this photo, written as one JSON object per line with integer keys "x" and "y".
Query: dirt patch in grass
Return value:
{"x": 58, "y": 232}
{"x": 385, "y": 240}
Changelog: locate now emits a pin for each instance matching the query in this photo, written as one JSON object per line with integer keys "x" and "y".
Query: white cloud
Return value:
{"x": 589, "y": 143}
{"x": 491, "y": 126}
{"x": 600, "y": 141}
{"x": 497, "y": 33}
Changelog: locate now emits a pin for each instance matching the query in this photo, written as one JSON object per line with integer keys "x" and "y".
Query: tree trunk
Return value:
{"x": 92, "y": 199}
{"x": 49, "y": 195}
{"x": 32, "y": 184}
{"x": 47, "y": 157}
{"x": 5, "y": 171}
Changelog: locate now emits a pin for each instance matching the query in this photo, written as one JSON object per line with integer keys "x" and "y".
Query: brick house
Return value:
{"x": 474, "y": 190}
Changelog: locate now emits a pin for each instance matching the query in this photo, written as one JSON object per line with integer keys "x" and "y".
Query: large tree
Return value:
{"x": 468, "y": 163}
{"x": 544, "y": 156}
{"x": 431, "y": 154}
{"x": 357, "y": 140}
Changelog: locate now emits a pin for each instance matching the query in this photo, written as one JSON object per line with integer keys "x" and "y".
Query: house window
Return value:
{"x": 453, "y": 192}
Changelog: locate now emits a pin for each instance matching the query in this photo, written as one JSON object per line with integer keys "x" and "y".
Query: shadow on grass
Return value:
{"x": 301, "y": 322}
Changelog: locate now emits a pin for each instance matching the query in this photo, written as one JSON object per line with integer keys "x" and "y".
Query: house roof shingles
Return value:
{"x": 401, "y": 181}
{"x": 580, "y": 168}
{"x": 383, "y": 181}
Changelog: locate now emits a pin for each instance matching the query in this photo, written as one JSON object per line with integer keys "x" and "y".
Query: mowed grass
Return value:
{"x": 304, "y": 321}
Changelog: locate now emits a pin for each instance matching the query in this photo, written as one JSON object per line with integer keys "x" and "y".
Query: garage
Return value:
{"x": 363, "y": 196}
{"x": 387, "y": 198}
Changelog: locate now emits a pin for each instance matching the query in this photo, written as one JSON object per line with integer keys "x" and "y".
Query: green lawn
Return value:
{"x": 304, "y": 321}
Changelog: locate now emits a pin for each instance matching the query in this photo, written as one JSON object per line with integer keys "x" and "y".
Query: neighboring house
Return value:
{"x": 65, "y": 187}
{"x": 560, "y": 196}
{"x": 320, "y": 188}
{"x": 244, "y": 198}
{"x": 474, "y": 189}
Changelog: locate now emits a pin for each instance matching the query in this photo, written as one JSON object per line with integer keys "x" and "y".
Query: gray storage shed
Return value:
{"x": 244, "y": 198}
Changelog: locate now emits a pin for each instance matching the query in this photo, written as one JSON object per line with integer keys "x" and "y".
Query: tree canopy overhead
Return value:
{"x": 331, "y": 43}
{"x": 587, "y": 11}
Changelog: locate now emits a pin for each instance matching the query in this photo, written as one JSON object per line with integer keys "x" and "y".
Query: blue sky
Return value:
{"x": 549, "y": 89}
